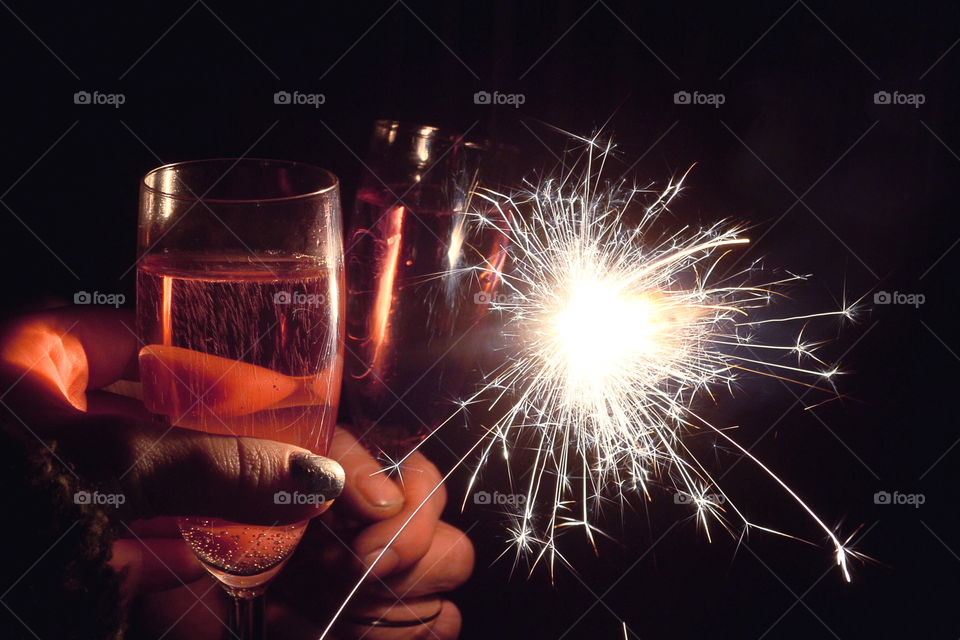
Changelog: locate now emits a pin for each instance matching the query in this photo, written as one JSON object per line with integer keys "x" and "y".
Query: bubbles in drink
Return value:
{"x": 241, "y": 346}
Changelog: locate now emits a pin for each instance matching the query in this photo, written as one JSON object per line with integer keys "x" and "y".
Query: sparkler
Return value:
{"x": 615, "y": 331}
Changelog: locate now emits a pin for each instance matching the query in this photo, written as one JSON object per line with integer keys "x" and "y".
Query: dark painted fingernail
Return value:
{"x": 317, "y": 474}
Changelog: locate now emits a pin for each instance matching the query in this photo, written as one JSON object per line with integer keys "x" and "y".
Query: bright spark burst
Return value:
{"x": 616, "y": 331}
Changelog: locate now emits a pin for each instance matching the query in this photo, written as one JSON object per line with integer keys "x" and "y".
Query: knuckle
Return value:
{"x": 254, "y": 466}
{"x": 450, "y": 622}
{"x": 442, "y": 495}
{"x": 431, "y": 478}
{"x": 462, "y": 556}
{"x": 456, "y": 564}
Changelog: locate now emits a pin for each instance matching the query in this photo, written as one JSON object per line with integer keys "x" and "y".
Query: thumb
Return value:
{"x": 180, "y": 472}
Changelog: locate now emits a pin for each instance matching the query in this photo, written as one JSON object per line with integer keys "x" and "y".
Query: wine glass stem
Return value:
{"x": 247, "y": 618}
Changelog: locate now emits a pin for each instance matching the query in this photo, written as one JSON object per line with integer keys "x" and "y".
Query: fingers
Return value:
{"x": 147, "y": 565}
{"x": 413, "y": 594}
{"x": 60, "y": 354}
{"x": 286, "y": 622}
{"x": 449, "y": 623}
{"x": 424, "y": 498}
{"x": 427, "y": 558}
{"x": 175, "y": 378}
{"x": 172, "y": 471}
{"x": 446, "y": 565}
{"x": 369, "y": 493}
{"x": 442, "y": 620}
{"x": 55, "y": 357}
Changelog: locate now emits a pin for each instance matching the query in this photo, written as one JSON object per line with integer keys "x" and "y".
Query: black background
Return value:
{"x": 876, "y": 211}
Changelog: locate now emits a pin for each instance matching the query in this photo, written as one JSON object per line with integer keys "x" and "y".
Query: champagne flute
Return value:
{"x": 421, "y": 274}
{"x": 240, "y": 309}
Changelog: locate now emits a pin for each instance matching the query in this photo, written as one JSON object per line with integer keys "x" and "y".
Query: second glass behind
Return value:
{"x": 421, "y": 273}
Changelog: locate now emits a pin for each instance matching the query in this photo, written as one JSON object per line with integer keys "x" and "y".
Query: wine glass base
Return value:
{"x": 245, "y": 587}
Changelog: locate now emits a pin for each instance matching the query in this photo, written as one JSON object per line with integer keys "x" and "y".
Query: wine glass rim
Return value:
{"x": 331, "y": 182}
{"x": 418, "y": 129}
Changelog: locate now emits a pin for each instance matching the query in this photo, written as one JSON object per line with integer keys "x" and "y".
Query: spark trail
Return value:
{"x": 615, "y": 330}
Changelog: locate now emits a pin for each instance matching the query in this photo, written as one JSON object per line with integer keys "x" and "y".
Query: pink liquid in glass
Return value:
{"x": 245, "y": 347}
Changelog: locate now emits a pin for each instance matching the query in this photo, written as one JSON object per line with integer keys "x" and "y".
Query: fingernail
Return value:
{"x": 379, "y": 490}
{"x": 385, "y": 565}
{"x": 317, "y": 474}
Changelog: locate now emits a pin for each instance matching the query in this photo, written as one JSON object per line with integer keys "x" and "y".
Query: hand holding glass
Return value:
{"x": 240, "y": 310}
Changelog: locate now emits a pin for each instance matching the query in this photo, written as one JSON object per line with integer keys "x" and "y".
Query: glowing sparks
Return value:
{"x": 615, "y": 331}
